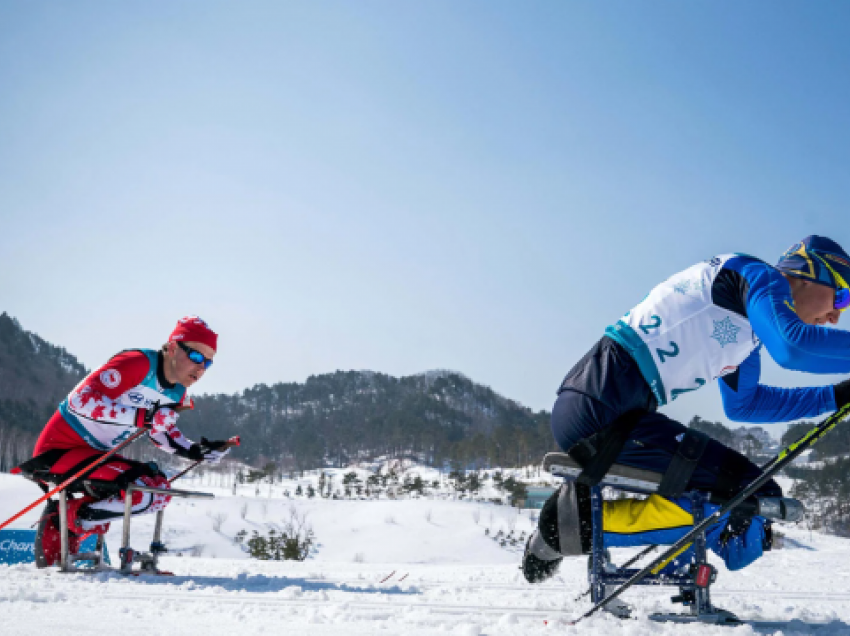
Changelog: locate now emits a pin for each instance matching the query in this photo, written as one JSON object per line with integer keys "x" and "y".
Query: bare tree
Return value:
{"x": 217, "y": 520}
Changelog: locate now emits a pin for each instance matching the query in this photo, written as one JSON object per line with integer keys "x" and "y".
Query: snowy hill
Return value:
{"x": 441, "y": 575}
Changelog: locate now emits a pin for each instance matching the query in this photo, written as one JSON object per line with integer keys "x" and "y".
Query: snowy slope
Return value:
{"x": 449, "y": 578}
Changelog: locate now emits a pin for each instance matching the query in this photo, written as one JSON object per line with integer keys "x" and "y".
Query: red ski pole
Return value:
{"x": 233, "y": 441}
{"x": 65, "y": 483}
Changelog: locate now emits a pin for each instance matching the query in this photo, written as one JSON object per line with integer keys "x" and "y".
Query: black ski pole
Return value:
{"x": 785, "y": 457}
{"x": 233, "y": 441}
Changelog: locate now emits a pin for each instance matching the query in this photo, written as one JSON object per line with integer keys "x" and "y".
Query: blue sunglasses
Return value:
{"x": 195, "y": 356}
{"x": 842, "y": 298}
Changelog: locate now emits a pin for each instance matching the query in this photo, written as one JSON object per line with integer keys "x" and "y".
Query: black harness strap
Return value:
{"x": 41, "y": 463}
{"x": 597, "y": 453}
{"x": 100, "y": 489}
{"x": 38, "y": 469}
{"x": 684, "y": 463}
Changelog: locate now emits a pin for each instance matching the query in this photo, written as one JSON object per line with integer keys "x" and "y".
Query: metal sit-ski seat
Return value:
{"x": 128, "y": 556}
{"x": 693, "y": 583}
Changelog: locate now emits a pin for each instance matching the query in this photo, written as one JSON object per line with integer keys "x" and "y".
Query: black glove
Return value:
{"x": 842, "y": 394}
{"x": 218, "y": 445}
{"x": 208, "y": 451}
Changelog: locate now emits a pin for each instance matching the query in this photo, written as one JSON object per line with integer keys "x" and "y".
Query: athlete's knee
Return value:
{"x": 159, "y": 500}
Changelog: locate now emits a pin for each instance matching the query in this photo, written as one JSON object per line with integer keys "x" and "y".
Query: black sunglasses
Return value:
{"x": 195, "y": 356}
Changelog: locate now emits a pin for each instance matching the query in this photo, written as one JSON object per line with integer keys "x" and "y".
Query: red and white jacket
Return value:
{"x": 112, "y": 401}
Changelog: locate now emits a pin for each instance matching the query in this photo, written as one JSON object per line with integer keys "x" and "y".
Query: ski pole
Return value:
{"x": 785, "y": 457}
{"x": 233, "y": 441}
{"x": 64, "y": 484}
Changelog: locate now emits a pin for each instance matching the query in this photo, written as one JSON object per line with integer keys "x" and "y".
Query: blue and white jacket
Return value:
{"x": 712, "y": 320}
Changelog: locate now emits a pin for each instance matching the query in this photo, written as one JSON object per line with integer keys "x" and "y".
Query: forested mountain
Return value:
{"x": 442, "y": 418}
{"x": 34, "y": 377}
{"x": 439, "y": 417}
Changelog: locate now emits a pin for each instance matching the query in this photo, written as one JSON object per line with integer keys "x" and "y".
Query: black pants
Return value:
{"x": 604, "y": 386}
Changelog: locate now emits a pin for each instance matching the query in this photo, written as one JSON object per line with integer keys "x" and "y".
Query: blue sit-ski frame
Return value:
{"x": 602, "y": 573}
{"x": 692, "y": 579}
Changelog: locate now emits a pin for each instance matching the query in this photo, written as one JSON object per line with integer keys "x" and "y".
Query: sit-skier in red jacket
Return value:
{"x": 136, "y": 387}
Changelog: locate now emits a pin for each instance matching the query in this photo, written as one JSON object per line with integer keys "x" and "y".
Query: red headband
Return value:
{"x": 193, "y": 329}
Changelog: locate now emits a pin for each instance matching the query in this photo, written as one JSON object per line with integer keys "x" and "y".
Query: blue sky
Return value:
{"x": 400, "y": 186}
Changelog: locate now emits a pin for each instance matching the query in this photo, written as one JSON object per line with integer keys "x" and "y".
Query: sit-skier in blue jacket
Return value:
{"x": 709, "y": 322}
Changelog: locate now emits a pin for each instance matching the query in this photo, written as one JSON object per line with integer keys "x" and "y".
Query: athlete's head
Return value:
{"x": 189, "y": 351}
{"x": 818, "y": 271}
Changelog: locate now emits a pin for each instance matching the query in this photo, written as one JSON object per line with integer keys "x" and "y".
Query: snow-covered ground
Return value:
{"x": 441, "y": 575}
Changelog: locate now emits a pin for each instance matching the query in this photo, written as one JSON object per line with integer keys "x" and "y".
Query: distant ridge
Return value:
{"x": 440, "y": 417}
{"x": 34, "y": 377}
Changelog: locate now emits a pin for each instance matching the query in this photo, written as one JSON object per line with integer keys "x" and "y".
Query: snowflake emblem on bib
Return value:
{"x": 682, "y": 287}
{"x": 725, "y": 332}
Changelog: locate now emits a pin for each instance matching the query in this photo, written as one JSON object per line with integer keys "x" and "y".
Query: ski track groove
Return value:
{"x": 390, "y": 607}
{"x": 472, "y": 585}
{"x": 388, "y": 604}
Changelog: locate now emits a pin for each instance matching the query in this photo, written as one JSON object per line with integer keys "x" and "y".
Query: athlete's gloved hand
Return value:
{"x": 842, "y": 394}
{"x": 209, "y": 451}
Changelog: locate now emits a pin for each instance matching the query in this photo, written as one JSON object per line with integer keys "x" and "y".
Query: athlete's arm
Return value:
{"x": 745, "y": 400}
{"x": 791, "y": 342}
{"x": 166, "y": 436}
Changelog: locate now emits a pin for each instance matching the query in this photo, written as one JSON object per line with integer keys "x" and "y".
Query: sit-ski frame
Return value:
{"x": 128, "y": 556}
{"x": 693, "y": 584}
